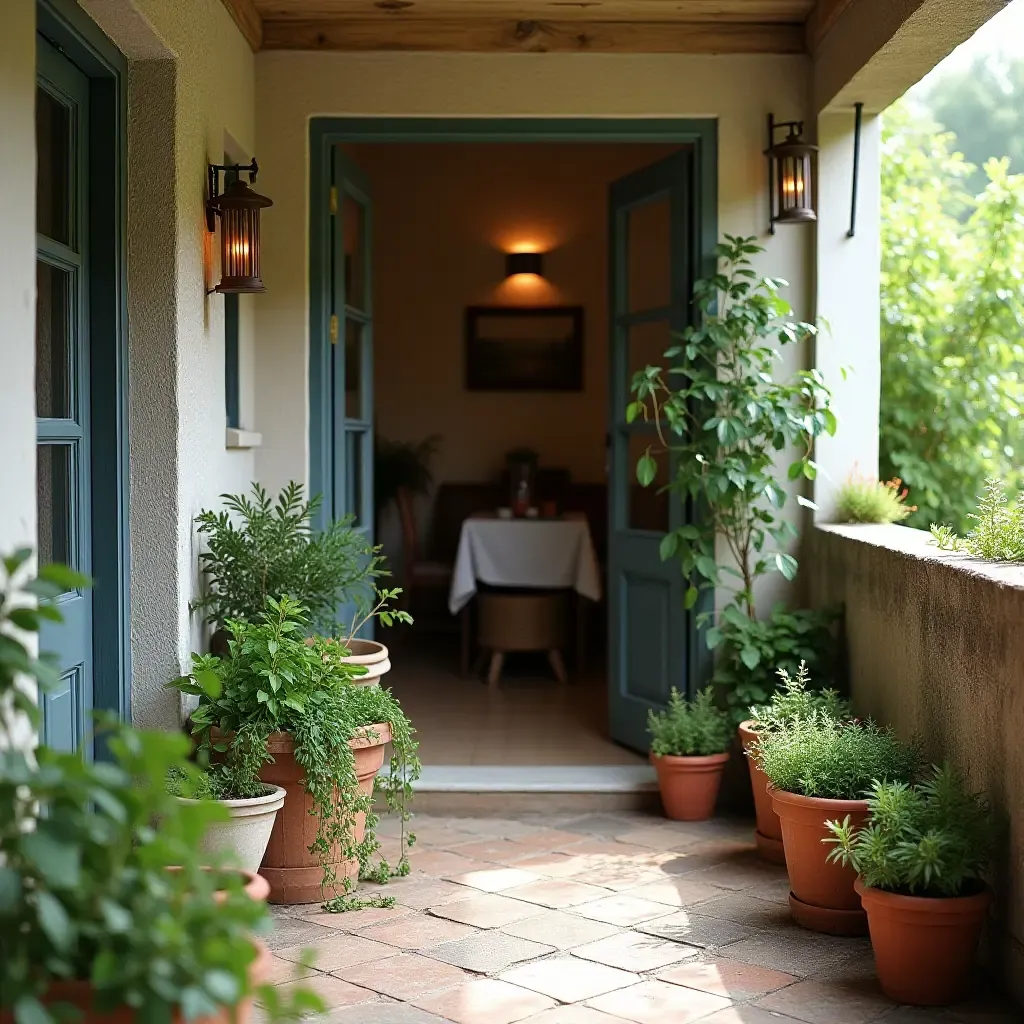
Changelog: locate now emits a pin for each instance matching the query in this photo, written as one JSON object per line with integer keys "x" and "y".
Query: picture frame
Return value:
{"x": 524, "y": 348}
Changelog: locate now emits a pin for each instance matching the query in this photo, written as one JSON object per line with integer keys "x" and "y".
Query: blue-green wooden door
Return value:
{"x": 651, "y": 251}
{"x": 351, "y": 355}
{"x": 63, "y": 471}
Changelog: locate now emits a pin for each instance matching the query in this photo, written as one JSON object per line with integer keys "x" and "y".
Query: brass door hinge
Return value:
{"x": 334, "y": 200}
{"x": 334, "y": 329}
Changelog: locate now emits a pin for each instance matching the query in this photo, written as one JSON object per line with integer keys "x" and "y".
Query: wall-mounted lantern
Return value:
{"x": 524, "y": 263}
{"x": 789, "y": 176}
{"x": 239, "y": 210}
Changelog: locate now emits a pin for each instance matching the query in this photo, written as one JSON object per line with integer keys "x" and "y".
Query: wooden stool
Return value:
{"x": 533, "y": 621}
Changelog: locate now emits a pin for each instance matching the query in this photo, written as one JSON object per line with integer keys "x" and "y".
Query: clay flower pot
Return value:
{"x": 689, "y": 785}
{"x": 294, "y": 874}
{"x": 769, "y": 829}
{"x": 372, "y": 656}
{"x": 924, "y": 947}
{"x": 822, "y": 895}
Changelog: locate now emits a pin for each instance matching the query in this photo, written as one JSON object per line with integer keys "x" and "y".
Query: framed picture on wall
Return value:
{"x": 524, "y": 348}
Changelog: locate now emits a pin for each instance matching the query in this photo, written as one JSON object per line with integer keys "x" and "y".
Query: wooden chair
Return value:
{"x": 417, "y": 573}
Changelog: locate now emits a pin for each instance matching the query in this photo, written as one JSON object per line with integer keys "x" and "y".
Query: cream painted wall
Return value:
{"x": 292, "y": 87}
{"x": 18, "y": 276}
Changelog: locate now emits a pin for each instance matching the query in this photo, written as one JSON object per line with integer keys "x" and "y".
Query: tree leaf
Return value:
{"x": 57, "y": 861}
{"x": 691, "y": 598}
{"x": 10, "y": 890}
{"x": 28, "y": 1010}
{"x": 750, "y": 657}
{"x": 54, "y": 920}
{"x": 786, "y": 564}
{"x": 646, "y": 469}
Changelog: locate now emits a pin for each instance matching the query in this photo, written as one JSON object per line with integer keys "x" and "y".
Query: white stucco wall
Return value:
{"x": 292, "y": 87}
{"x": 17, "y": 276}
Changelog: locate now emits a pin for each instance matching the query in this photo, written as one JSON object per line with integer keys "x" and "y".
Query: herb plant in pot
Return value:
{"x": 689, "y": 749}
{"x": 819, "y": 768}
{"x": 795, "y": 700}
{"x": 920, "y": 858}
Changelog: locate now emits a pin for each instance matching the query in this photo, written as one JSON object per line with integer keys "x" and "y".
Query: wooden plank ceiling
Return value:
{"x": 537, "y": 26}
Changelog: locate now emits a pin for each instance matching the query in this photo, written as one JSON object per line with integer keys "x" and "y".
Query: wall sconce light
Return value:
{"x": 524, "y": 263}
{"x": 789, "y": 176}
{"x": 239, "y": 210}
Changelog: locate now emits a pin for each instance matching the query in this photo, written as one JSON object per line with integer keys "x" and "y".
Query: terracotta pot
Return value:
{"x": 822, "y": 896}
{"x": 294, "y": 874}
{"x": 924, "y": 947}
{"x": 369, "y": 654}
{"x": 689, "y": 785}
{"x": 256, "y": 887}
{"x": 768, "y": 835}
{"x": 80, "y": 994}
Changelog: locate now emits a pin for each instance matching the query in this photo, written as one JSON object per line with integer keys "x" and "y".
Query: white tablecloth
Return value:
{"x": 542, "y": 553}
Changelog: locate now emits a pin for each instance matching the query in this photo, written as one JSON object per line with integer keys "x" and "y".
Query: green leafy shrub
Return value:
{"x": 998, "y": 533}
{"x": 929, "y": 839}
{"x": 873, "y": 501}
{"x": 797, "y": 701}
{"x": 839, "y": 760}
{"x": 688, "y": 728}
{"x": 276, "y": 681}
{"x": 85, "y": 890}
{"x": 752, "y": 651}
{"x": 402, "y": 465}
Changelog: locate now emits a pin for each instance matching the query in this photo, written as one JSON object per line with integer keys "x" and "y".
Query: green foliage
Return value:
{"x": 752, "y": 651}
{"x": 932, "y": 839}
{"x": 952, "y": 322}
{"x": 402, "y": 465}
{"x": 85, "y": 887}
{"x": 722, "y": 420}
{"x": 687, "y": 728}
{"x": 797, "y": 701}
{"x": 863, "y": 500}
{"x": 277, "y": 681}
{"x": 998, "y": 533}
{"x": 259, "y": 548}
{"x": 837, "y": 759}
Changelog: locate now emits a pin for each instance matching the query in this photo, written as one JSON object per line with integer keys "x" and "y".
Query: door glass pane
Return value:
{"x": 646, "y": 346}
{"x": 648, "y": 506}
{"x": 649, "y": 255}
{"x": 354, "y": 474}
{"x": 53, "y": 497}
{"x": 352, "y": 236}
{"x": 53, "y": 160}
{"x": 353, "y": 370}
{"x": 53, "y": 399}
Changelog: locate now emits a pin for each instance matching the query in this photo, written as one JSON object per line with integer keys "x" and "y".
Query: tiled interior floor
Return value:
{"x": 530, "y": 720}
{"x": 595, "y": 919}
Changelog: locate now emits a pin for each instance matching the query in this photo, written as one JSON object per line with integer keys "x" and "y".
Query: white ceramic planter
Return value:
{"x": 372, "y": 656}
{"x": 247, "y": 832}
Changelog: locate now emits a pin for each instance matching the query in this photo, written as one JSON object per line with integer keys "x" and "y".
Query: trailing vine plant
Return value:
{"x": 276, "y": 680}
{"x": 721, "y": 420}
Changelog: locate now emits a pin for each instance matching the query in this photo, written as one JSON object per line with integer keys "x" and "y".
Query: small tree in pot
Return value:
{"x": 920, "y": 856}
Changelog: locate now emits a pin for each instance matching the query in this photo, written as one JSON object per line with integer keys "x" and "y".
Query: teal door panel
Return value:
{"x": 63, "y": 399}
{"x": 652, "y": 220}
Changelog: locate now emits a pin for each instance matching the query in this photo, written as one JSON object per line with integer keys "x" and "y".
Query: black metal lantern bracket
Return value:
{"x": 214, "y": 172}
{"x": 794, "y": 138}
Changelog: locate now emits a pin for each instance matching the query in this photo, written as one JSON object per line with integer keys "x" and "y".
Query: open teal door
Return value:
{"x": 652, "y": 250}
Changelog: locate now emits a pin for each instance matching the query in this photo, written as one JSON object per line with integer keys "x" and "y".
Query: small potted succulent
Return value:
{"x": 920, "y": 859}
{"x": 689, "y": 749}
{"x": 821, "y": 768}
{"x": 793, "y": 701}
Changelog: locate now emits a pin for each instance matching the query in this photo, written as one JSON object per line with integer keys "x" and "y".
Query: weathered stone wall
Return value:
{"x": 936, "y": 649}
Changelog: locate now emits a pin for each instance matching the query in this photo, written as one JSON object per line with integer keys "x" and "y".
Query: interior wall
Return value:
{"x": 439, "y": 247}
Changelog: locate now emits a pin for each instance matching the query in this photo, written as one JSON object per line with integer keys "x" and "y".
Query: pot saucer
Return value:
{"x": 830, "y": 922}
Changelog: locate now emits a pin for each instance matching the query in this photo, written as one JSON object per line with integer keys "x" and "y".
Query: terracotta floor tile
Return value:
{"x": 418, "y": 892}
{"x": 656, "y": 1002}
{"x": 659, "y": 837}
{"x": 568, "y": 979}
{"x": 678, "y": 891}
{"x": 488, "y": 952}
{"x": 498, "y": 851}
{"x": 388, "y": 1013}
{"x": 404, "y": 976}
{"x": 746, "y": 910}
{"x": 622, "y": 909}
{"x": 547, "y": 839}
{"x": 739, "y": 875}
{"x": 754, "y": 1015}
{"x": 286, "y": 970}
{"x": 493, "y": 879}
{"x": 291, "y": 931}
{"x": 572, "y": 1015}
{"x": 338, "y": 951}
{"x": 693, "y": 927}
{"x": 618, "y": 877}
{"x": 553, "y": 865}
{"x": 819, "y": 1002}
{"x": 443, "y": 862}
{"x": 333, "y": 991}
{"x": 417, "y": 932}
{"x": 634, "y": 951}
{"x": 485, "y": 910}
{"x": 556, "y": 893}
{"x": 615, "y": 852}
{"x": 353, "y": 920}
{"x": 559, "y": 928}
{"x": 485, "y": 1001}
{"x": 724, "y": 977}
{"x": 793, "y": 951}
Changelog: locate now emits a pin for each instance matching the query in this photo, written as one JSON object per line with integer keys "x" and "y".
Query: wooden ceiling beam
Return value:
{"x": 822, "y": 20}
{"x": 478, "y": 35}
{"x": 248, "y": 20}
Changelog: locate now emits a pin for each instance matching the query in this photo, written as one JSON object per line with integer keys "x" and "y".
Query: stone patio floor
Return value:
{"x": 590, "y": 919}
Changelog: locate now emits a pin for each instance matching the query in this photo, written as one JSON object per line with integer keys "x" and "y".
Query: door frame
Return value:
{"x": 67, "y": 26}
{"x": 327, "y": 132}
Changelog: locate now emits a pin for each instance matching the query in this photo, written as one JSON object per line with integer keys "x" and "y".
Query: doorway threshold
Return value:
{"x": 561, "y": 778}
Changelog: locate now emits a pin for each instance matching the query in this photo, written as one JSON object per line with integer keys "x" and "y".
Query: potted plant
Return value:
{"x": 920, "y": 859}
{"x": 819, "y": 768}
{"x": 287, "y": 712}
{"x": 92, "y": 896}
{"x": 402, "y": 466}
{"x": 793, "y": 701}
{"x": 689, "y": 750}
{"x": 867, "y": 500}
